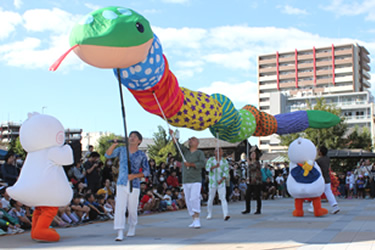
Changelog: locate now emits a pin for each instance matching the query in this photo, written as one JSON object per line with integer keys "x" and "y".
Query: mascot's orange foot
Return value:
{"x": 298, "y": 213}
{"x": 320, "y": 212}
{"x": 46, "y": 235}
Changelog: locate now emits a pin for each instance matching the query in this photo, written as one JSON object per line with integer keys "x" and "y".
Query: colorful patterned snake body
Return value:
{"x": 120, "y": 38}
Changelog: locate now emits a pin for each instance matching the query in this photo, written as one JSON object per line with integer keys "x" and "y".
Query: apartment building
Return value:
{"x": 339, "y": 73}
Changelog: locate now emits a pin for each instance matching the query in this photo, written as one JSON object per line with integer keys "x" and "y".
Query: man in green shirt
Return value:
{"x": 192, "y": 177}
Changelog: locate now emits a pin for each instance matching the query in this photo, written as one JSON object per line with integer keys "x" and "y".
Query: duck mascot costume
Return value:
{"x": 42, "y": 183}
{"x": 305, "y": 180}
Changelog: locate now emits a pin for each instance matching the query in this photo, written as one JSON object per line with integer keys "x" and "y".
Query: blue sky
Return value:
{"x": 211, "y": 46}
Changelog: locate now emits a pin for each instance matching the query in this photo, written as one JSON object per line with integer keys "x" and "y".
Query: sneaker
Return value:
{"x": 19, "y": 230}
{"x": 197, "y": 223}
{"x": 227, "y": 218}
{"x": 192, "y": 224}
{"x": 310, "y": 210}
{"x": 131, "y": 231}
{"x": 11, "y": 231}
{"x": 209, "y": 217}
{"x": 120, "y": 235}
{"x": 335, "y": 210}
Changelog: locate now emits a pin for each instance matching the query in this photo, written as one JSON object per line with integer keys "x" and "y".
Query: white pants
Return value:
{"x": 192, "y": 197}
{"x": 330, "y": 197}
{"x": 125, "y": 199}
{"x": 211, "y": 196}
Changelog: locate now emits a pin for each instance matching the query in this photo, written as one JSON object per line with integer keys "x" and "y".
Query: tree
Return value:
{"x": 103, "y": 144}
{"x": 359, "y": 139}
{"x": 16, "y": 147}
{"x": 162, "y": 146}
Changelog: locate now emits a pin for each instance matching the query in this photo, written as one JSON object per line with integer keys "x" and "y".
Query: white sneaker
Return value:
{"x": 335, "y": 210}
{"x": 19, "y": 230}
{"x": 131, "y": 231}
{"x": 197, "y": 223}
{"x": 192, "y": 224}
{"x": 209, "y": 217}
{"x": 120, "y": 235}
{"x": 310, "y": 209}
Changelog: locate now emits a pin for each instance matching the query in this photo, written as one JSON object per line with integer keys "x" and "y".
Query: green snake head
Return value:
{"x": 111, "y": 37}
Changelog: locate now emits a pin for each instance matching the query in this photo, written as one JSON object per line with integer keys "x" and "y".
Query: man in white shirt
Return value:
{"x": 218, "y": 169}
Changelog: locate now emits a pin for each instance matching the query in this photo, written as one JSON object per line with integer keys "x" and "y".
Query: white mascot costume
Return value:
{"x": 42, "y": 182}
{"x": 305, "y": 180}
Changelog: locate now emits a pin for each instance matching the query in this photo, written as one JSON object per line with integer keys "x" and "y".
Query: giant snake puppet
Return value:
{"x": 122, "y": 39}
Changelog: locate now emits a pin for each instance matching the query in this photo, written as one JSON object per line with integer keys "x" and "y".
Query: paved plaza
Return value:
{"x": 276, "y": 228}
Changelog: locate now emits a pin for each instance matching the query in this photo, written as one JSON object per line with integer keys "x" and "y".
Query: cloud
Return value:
{"x": 239, "y": 93}
{"x": 341, "y": 8}
{"x": 55, "y": 20}
{"x": 9, "y": 20}
{"x": 289, "y": 10}
{"x": 92, "y": 6}
{"x": 184, "y": 37}
{"x": 17, "y": 3}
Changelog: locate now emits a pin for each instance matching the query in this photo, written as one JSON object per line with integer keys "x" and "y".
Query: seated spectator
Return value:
{"x": 5, "y": 201}
{"x": 101, "y": 201}
{"x": 109, "y": 205}
{"x": 76, "y": 174}
{"x": 8, "y": 224}
{"x": 17, "y": 211}
{"x": 96, "y": 212}
{"x": 9, "y": 170}
{"x": 242, "y": 187}
{"x": 79, "y": 208}
{"x": 166, "y": 203}
{"x": 68, "y": 216}
{"x": 149, "y": 202}
{"x": 106, "y": 190}
{"x": 236, "y": 194}
{"x": 172, "y": 180}
{"x": 180, "y": 200}
{"x": 268, "y": 189}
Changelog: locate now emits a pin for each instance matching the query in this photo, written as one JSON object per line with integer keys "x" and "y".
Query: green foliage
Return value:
{"x": 162, "y": 146}
{"x": 16, "y": 147}
{"x": 103, "y": 144}
{"x": 359, "y": 139}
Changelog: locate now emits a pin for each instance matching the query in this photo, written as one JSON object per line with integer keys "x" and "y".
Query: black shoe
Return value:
{"x": 245, "y": 212}
{"x": 257, "y": 212}
{"x": 227, "y": 218}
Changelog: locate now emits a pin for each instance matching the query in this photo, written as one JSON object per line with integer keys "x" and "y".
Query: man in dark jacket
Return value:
{"x": 323, "y": 162}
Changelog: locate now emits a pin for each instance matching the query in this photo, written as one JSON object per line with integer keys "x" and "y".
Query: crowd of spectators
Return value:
{"x": 94, "y": 183}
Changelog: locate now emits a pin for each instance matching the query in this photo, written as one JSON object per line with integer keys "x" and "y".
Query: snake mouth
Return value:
{"x": 108, "y": 57}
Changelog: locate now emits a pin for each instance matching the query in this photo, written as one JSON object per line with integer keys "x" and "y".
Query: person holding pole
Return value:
{"x": 194, "y": 162}
{"x": 127, "y": 197}
{"x": 218, "y": 170}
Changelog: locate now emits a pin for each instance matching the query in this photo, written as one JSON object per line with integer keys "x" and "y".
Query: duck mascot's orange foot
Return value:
{"x": 318, "y": 210}
{"x": 42, "y": 218}
{"x": 305, "y": 180}
{"x": 42, "y": 183}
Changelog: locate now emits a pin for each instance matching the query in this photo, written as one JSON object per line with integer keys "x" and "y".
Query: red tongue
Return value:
{"x": 61, "y": 58}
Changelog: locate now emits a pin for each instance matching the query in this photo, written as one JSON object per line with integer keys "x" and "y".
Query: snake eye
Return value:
{"x": 140, "y": 27}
